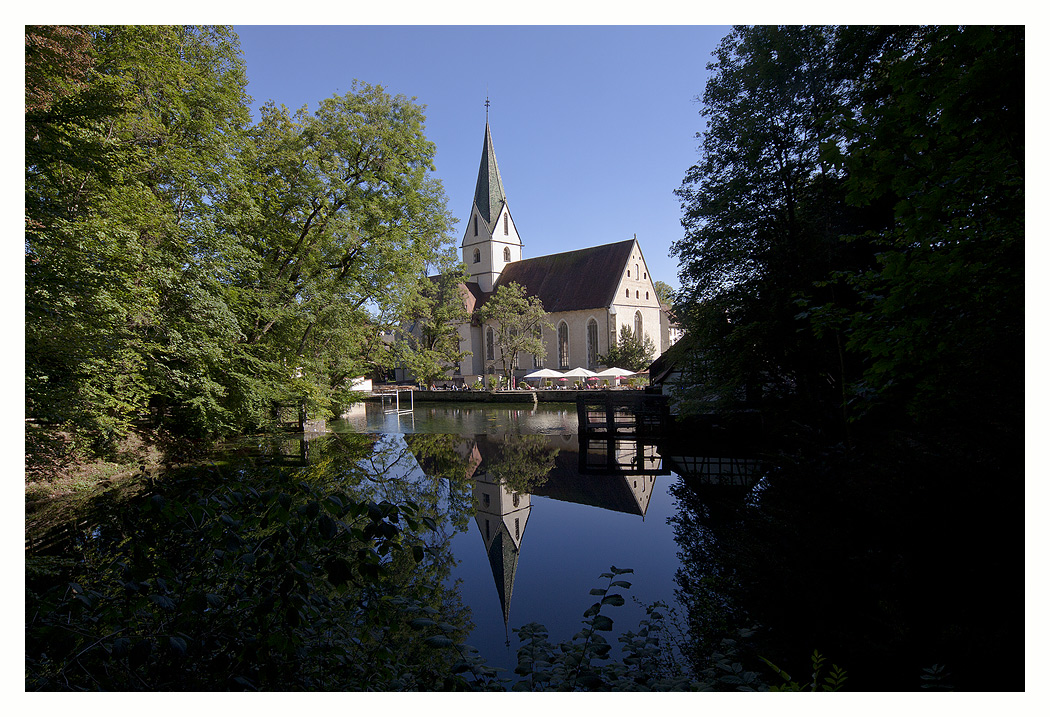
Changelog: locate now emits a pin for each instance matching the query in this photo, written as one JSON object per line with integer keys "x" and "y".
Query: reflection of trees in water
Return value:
{"x": 448, "y": 462}
{"x": 288, "y": 572}
{"x": 522, "y": 462}
{"x": 875, "y": 568}
{"x": 705, "y": 522}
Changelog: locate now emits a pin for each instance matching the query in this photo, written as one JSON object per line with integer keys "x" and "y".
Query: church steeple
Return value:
{"x": 489, "y": 196}
{"x": 491, "y": 240}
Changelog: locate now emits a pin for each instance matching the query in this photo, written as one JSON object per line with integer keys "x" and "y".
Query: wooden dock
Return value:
{"x": 622, "y": 413}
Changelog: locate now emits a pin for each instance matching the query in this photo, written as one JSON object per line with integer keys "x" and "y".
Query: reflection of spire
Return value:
{"x": 501, "y": 517}
{"x": 503, "y": 559}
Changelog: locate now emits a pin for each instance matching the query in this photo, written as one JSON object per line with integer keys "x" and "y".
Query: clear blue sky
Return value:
{"x": 594, "y": 127}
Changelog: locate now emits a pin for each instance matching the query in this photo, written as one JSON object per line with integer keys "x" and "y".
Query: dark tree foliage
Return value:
{"x": 940, "y": 326}
{"x": 763, "y": 213}
{"x": 854, "y": 230}
{"x": 853, "y": 265}
{"x": 285, "y": 578}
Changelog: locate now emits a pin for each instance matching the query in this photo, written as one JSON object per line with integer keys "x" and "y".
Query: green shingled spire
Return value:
{"x": 488, "y": 195}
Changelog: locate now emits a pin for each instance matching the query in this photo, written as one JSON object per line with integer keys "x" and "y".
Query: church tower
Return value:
{"x": 490, "y": 240}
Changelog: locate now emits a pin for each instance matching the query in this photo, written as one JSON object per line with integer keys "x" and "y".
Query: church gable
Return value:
{"x": 635, "y": 287}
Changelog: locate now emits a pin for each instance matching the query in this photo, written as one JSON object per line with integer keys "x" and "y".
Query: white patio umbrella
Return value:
{"x": 614, "y": 372}
{"x": 578, "y": 372}
{"x": 543, "y": 373}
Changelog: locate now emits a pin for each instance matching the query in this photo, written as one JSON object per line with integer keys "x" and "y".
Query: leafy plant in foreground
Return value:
{"x": 832, "y": 682}
{"x": 583, "y": 663}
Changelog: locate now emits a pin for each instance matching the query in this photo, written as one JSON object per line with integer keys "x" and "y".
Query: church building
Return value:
{"x": 588, "y": 293}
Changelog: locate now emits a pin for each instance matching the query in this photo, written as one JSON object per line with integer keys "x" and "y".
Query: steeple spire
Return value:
{"x": 488, "y": 194}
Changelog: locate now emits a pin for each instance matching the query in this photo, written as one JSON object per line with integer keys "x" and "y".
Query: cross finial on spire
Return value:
{"x": 486, "y": 108}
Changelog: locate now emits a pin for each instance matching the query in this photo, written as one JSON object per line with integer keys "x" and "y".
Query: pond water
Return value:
{"x": 527, "y": 516}
{"x": 547, "y": 513}
{"x": 534, "y": 556}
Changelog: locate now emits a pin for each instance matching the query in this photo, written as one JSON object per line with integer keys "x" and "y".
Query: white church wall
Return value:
{"x": 481, "y": 270}
{"x": 576, "y": 323}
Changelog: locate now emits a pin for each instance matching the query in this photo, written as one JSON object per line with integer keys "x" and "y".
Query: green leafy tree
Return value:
{"x": 179, "y": 261}
{"x": 430, "y": 347}
{"x": 630, "y": 352}
{"x": 664, "y": 292}
{"x": 517, "y": 320}
{"x": 341, "y": 215}
{"x": 763, "y": 213}
{"x": 130, "y": 147}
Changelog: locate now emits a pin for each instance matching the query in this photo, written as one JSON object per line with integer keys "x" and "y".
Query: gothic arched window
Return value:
{"x": 506, "y": 253}
{"x": 506, "y": 224}
{"x": 638, "y": 325}
{"x": 477, "y": 256}
{"x": 475, "y": 225}
{"x": 563, "y": 345}
{"x": 490, "y": 350}
{"x": 592, "y": 343}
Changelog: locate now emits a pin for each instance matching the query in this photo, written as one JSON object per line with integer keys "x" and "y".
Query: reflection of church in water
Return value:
{"x": 615, "y": 475}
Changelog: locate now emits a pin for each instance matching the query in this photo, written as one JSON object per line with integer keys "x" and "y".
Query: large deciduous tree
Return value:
{"x": 763, "y": 212}
{"x": 179, "y": 260}
{"x": 940, "y": 327}
{"x": 131, "y": 134}
{"x": 516, "y": 320}
{"x": 341, "y": 215}
{"x": 854, "y": 230}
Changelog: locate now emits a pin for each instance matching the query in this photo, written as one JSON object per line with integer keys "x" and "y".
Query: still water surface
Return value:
{"x": 544, "y": 550}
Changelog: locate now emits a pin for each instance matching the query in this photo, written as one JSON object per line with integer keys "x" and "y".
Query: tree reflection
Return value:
{"x": 522, "y": 462}
{"x": 329, "y": 575}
